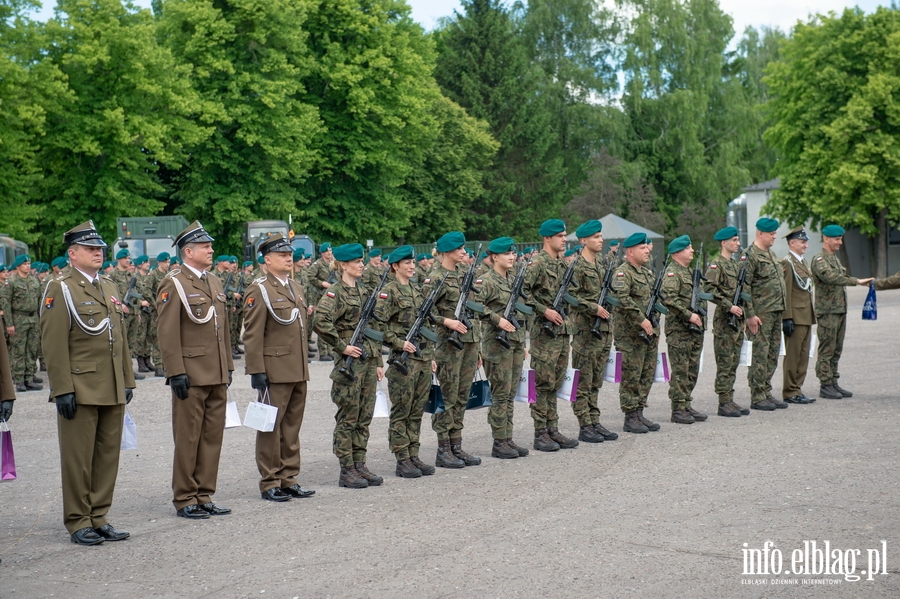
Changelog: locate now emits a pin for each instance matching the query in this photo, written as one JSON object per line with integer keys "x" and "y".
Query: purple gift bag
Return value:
{"x": 569, "y": 388}
{"x": 526, "y": 392}
{"x": 7, "y": 457}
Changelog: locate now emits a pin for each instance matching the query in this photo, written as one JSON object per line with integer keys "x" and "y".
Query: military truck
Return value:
{"x": 10, "y": 248}
{"x": 148, "y": 235}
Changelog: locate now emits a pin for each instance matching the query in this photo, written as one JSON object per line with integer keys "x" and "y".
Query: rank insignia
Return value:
{"x": 48, "y": 303}
{"x": 164, "y": 297}
{"x": 251, "y": 301}
{"x": 221, "y": 297}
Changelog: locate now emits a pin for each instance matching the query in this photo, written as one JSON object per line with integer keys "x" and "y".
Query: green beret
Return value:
{"x": 530, "y": 250}
{"x": 123, "y": 253}
{"x": 247, "y": 263}
{"x": 551, "y": 227}
{"x": 44, "y": 267}
{"x": 577, "y": 248}
{"x": 679, "y": 243}
{"x": 19, "y": 261}
{"x": 766, "y": 225}
{"x": 404, "y": 252}
{"x": 833, "y": 231}
{"x": 613, "y": 243}
{"x": 140, "y": 260}
{"x": 324, "y": 247}
{"x": 3, "y": 267}
{"x": 591, "y": 227}
{"x": 260, "y": 260}
{"x": 635, "y": 239}
{"x": 222, "y": 258}
{"x": 451, "y": 241}
{"x": 175, "y": 260}
{"x": 232, "y": 259}
{"x": 483, "y": 255}
{"x": 470, "y": 254}
{"x": 299, "y": 254}
{"x": 422, "y": 257}
{"x": 726, "y": 233}
{"x": 501, "y": 245}
{"x": 163, "y": 257}
{"x": 106, "y": 265}
{"x": 375, "y": 252}
{"x": 348, "y": 252}
{"x": 55, "y": 262}
{"x": 569, "y": 252}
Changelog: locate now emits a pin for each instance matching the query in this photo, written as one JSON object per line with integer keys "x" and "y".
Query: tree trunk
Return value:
{"x": 881, "y": 244}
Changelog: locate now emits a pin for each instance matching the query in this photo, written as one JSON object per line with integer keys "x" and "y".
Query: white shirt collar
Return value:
{"x": 89, "y": 278}
{"x": 796, "y": 255}
{"x": 194, "y": 270}
{"x": 279, "y": 279}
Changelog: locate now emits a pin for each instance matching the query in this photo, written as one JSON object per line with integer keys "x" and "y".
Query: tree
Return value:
{"x": 835, "y": 112}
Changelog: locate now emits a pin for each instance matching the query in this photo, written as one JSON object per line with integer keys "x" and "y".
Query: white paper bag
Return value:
{"x": 382, "y": 409}
{"x": 746, "y": 353}
{"x": 662, "y": 368}
{"x": 701, "y": 361}
{"x": 782, "y": 351}
{"x": 526, "y": 391}
{"x": 232, "y": 416}
{"x": 812, "y": 347}
{"x": 569, "y": 388}
{"x": 613, "y": 373}
{"x": 261, "y": 414}
{"x": 129, "y": 433}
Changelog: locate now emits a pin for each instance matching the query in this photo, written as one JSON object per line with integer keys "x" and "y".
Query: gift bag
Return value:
{"x": 746, "y": 353}
{"x": 382, "y": 409}
{"x": 129, "y": 433}
{"x": 613, "y": 372}
{"x": 526, "y": 392}
{"x": 870, "y": 308}
{"x": 435, "y": 403}
{"x": 662, "y": 368}
{"x": 812, "y": 346}
{"x": 7, "y": 457}
{"x": 700, "y": 366}
{"x": 232, "y": 416}
{"x": 479, "y": 393}
{"x": 569, "y": 388}
{"x": 783, "y": 350}
{"x": 261, "y": 414}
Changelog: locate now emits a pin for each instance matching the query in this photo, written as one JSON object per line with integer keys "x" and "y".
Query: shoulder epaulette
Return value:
{"x": 261, "y": 279}
{"x": 172, "y": 272}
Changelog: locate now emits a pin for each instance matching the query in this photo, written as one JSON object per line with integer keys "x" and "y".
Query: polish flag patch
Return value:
{"x": 427, "y": 280}
{"x": 478, "y": 282}
{"x": 670, "y": 274}
{"x": 620, "y": 274}
{"x": 383, "y": 295}
{"x": 713, "y": 266}
{"x": 329, "y": 293}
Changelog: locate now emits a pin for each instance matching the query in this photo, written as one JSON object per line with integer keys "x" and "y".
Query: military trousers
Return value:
{"x": 638, "y": 368}
{"x": 766, "y": 344}
{"x": 236, "y": 322}
{"x": 503, "y": 375}
{"x": 408, "y": 397}
{"x": 198, "y": 424}
{"x": 684, "y": 362}
{"x": 355, "y": 401}
{"x": 831, "y": 329}
{"x": 278, "y": 451}
{"x": 796, "y": 361}
{"x": 24, "y": 347}
{"x": 131, "y": 329}
{"x": 455, "y": 371}
{"x": 590, "y": 358}
{"x": 89, "y": 463}
{"x": 549, "y": 358}
{"x": 727, "y": 347}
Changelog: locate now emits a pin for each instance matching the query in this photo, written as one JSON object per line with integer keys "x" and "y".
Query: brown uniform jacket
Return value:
{"x": 277, "y": 349}
{"x": 892, "y": 282}
{"x": 798, "y": 304}
{"x": 96, "y": 368}
{"x": 202, "y": 351}
{"x": 7, "y": 389}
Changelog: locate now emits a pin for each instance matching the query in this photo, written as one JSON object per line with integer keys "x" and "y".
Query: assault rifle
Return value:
{"x": 698, "y": 296}
{"x": 562, "y": 297}
{"x": 419, "y": 329}
{"x": 740, "y": 296}
{"x": 606, "y": 301}
{"x": 514, "y": 305}
{"x": 131, "y": 295}
{"x": 362, "y": 330}
{"x": 465, "y": 307}
{"x": 655, "y": 306}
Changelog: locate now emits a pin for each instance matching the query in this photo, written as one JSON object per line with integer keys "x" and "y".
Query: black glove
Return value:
{"x": 180, "y": 385}
{"x": 788, "y": 327}
{"x": 129, "y": 393}
{"x": 65, "y": 405}
{"x": 229, "y": 377}
{"x": 259, "y": 381}
{"x": 6, "y": 409}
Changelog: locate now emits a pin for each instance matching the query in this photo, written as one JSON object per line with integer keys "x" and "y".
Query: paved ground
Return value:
{"x": 665, "y": 514}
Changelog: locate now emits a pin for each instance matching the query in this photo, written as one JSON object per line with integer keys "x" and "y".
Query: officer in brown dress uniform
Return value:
{"x": 276, "y": 348}
{"x": 797, "y": 318}
{"x": 91, "y": 378}
{"x": 7, "y": 387}
{"x": 195, "y": 344}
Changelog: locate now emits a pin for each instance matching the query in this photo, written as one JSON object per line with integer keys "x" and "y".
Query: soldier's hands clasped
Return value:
{"x": 180, "y": 385}
{"x": 65, "y": 405}
{"x": 259, "y": 381}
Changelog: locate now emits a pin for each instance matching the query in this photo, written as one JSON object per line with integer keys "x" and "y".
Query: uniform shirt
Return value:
{"x": 721, "y": 281}
{"x": 633, "y": 286}
{"x": 830, "y": 278}
{"x": 764, "y": 282}
{"x": 122, "y": 279}
{"x": 448, "y": 296}
{"x": 541, "y": 285}
{"x": 495, "y": 293}
{"x": 280, "y": 350}
{"x": 337, "y": 315}
{"x": 892, "y": 282}
{"x": 677, "y": 289}
{"x": 24, "y": 296}
{"x": 396, "y": 310}
{"x": 319, "y": 272}
{"x": 798, "y": 302}
{"x": 589, "y": 283}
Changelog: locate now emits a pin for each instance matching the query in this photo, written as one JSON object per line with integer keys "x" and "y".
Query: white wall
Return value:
{"x": 755, "y": 201}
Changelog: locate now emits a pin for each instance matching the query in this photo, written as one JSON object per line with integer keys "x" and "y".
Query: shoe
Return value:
{"x": 37, "y": 380}
{"x": 427, "y": 470}
{"x": 214, "y": 510}
{"x": 20, "y": 388}
{"x": 30, "y": 386}
{"x": 798, "y": 399}
{"x": 607, "y": 435}
{"x": 150, "y": 365}
{"x": 86, "y": 536}
{"x": 275, "y": 494}
{"x": 589, "y": 435}
{"x": 160, "y": 373}
{"x": 111, "y": 534}
{"x": 806, "y": 399}
{"x": 239, "y": 350}
{"x": 744, "y": 411}
{"x": 373, "y": 479}
{"x": 43, "y": 365}
{"x": 764, "y": 404}
{"x": 728, "y": 410}
{"x": 326, "y": 358}
{"x": 560, "y": 439}
{"x": 351, "y": 479}
{"x": 142, "y": 365}
{"x": 633, "y": 424}
{"x": 826, "y": 392}
{"x": 194, "y": 512}
{"x": 698, "y": 416}
{"x": 840, "y": 389}
{"x": 235, "y": 355}
{"x": 522, "y": 451}
{"x": 502, "y": 450}
{"x": 295, "y": 491}
{"x": 543, "y": 442}
{"x": 406, "y": 469}
{"x": 456, "y": 448}
{"x": 445, "y": 457}
{"x": 652, "y": 426}
{"x": 781, "y": 405}
{"x": 682, "y": 417}
{"x": 138, "y": 376}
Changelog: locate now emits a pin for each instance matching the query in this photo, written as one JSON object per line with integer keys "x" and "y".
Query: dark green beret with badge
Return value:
{"x": 140, "y": 260}
{"x": 374, "y": 253}
{"x": 163, "y": 257}
{"x": 833, "y": 231}
{"x": 19, "y": 261}
{"x": 551, "y": 227}
{"x": 613, "y": 243}
{"x": 324, "y": 247}
{"x": 679, "y": 244}
{"x": 726, "y": 233}
{"x": 501, "y": 245}
{"x": 348, "y": 252}
{"x": 450, "y": 241}
{"x": 247, "y": 263}
{"x": 767, "y": 225}
{"x": 123, "y": 253}
{"x": 591, "y": 227}
{"x": 404, "y": 252}
{"x": 636, "y": 239}
{"x": 299, "y": 254}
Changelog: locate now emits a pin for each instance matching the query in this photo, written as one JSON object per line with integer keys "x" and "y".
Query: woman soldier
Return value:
{"x": 455, "y": 367}
{"x": 502, "y": 366}
{"x": 352, "y": 390}
{"x": 397, "y": 308}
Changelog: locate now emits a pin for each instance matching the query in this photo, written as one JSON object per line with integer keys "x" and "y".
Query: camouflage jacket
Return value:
{"x": 5, "y": 310}
{"x": 122, "y": 279}
{"x": 721, "y": 282}
{"x": 445, "y": 303}
{"x": 830, "y": 278}
{"x": 765, "y": 282}
{"x": 588, "y": 281}
{"x": 337, "y": 315}
{"x": 633, "y": 287}
{"x": 396, "y": 311}
{"x": 495, "y": 292}
{"x": 891, "y": 282}
{"x": 542, "y": 282}
{"x": 319, "y": 272}
{"x": 677, "y": 288}
{"x": 24, "y": 297}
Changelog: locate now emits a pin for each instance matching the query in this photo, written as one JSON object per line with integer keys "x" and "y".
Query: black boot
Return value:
{"x": 142, "y": 365}
{"x": 406, "y": 469}
{"x": 425, "y": 468}
{"x": 502, "y": 450}
{"x": 606, "y": 434}
{"x": 839, "y": 389}
{"x": 633, "y": 424}
{"x": 456, "y": 447}
{"x": 149, "y": 363}
{"x": 351, "y": 479}
{"x": 563, "y": 441}
{"x": 543, "y": 442}
{"x": 445, "y": 457}
{"x": 373, "y": 479}
{"x": 522, "y": 451}
{"x": 589, "y": 435}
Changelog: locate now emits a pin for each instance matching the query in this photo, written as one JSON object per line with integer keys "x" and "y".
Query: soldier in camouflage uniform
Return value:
{"x": 549, "y": 354}
{"x": 235, "y": 296}
{"x": 830, "y": 278}
{"x": 320, "y": 273}
{"x": 502, "y": 365}
{"x": 455, "y": 367}
{"x": 23, "y": 324}
{"x": 222, "y": 271}
{"x": 5, "y": 312}
{"x": 121, "y": 276}
{"x": 334, "y": 320}
{"x": 396, "y": 310}
{"x": 765, "y": 285}
{"x": 721, "y": 282}
{"x": 684, "y": 331}
{"x": 636, "y": 337}
{"x": 145, "y": 337}
{"x": 152, "y": 284}
{"x": 373, "y": 269}
{"x": 590, "y": 354}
